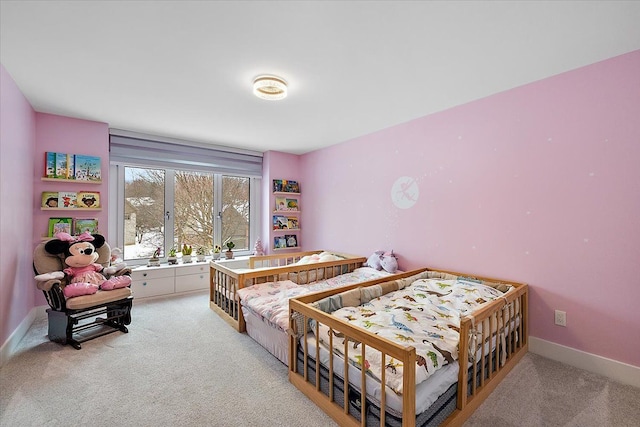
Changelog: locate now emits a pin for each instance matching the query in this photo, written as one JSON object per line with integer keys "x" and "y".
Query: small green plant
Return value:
{"x": 172, "y": 252}
{"x": 201, "y": 250}
{"x": 186, "y": 249}
{"x": 230, "y": 245}
{"x": 217, "y": 249}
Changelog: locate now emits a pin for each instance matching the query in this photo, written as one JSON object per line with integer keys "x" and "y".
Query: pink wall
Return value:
{"x": 539, "y": 184}
{"x": 277, "y": 165}
{"x": 17, "y": 148}
{"x": 73, "y": 136}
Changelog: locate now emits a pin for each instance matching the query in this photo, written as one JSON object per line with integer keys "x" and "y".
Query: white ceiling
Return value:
{"x": 183, "y": 69}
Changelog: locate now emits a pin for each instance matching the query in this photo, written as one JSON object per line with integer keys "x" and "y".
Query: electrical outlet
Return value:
{"x": 561, "y": 318}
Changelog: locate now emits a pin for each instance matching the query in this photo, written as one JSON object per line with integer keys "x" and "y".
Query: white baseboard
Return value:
{"x": 617, "y": 371}
{"x": 8, "y": 348}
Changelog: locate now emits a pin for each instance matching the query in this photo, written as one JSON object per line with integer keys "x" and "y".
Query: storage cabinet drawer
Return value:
{"x": 193, "y": 282}
{"x": 199, "y": 268}
{"x": 151, "y": 273}
{"x": 147, "y": 287}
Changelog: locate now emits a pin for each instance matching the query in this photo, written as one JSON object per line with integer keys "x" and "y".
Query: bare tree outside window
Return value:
{"x": 193, "y": 211}
{"x": 235, "y": 211}
{"x": 144, "y": 212}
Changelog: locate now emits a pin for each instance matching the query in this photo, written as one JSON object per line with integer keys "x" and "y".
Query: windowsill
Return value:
{"x": 235, "y": 262}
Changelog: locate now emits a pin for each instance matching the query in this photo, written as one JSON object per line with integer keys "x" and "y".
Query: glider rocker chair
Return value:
{"x": 78, "y": 319}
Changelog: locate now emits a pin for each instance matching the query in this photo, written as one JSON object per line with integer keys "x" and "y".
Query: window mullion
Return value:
{"x": 169, "y": 209}
{"x": 217, "y": 210}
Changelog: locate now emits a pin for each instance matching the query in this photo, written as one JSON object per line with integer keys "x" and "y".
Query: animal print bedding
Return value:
{"x": 426, "y": 315}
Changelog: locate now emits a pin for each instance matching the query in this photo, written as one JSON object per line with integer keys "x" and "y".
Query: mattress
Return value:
{"x": 426, "y": 392}
{"x": 273, "y": 339}
{"x": 426, "y": 315}
{"x": 271, "y": 300}
{"x": 436, "y": 398}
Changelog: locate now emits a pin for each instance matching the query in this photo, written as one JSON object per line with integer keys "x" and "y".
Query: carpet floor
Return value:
{"x": 181, "y": 365}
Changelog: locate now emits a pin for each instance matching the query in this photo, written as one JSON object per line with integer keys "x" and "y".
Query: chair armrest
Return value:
{"x": 126, "y": 271}
{"x": 46, "y": 285}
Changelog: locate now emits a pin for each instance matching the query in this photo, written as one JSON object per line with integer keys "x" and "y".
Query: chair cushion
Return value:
{"x": 99, "y": 298}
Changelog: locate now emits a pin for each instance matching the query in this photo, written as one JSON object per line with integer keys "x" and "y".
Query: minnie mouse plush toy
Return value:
{"x": 85, "y": 277}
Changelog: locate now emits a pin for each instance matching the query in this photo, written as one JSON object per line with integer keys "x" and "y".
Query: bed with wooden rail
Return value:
{"x": 493, "y": 337}
{"x": 224, "y": 282}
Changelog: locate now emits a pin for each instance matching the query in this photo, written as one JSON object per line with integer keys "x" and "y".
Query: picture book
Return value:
{"x": 59, "y": 225}
{"x": 49, "y": 199}
{"x": 50, "y": 164}
{"x": 280, "y": 222}
{"x": 282, "y": 185}
{"x": 64, "y": 166}
{"x": 67, "y": 199}
{"x": 281, "y": 204}
{"x": 87, "y": 168}
{"x": 279, "y": 242}
{"x": 292, "y": 187}
{"x": 85, "y": 224}
{"x": 291, "y": 240}
{"x": 59, "y": 165}
{"x": 88, "y": 199}
{"x": 292, "y": 223}
{"x": 292, "y": 204}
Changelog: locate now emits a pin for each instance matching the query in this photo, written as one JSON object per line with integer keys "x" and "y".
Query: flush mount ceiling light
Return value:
{"x": 270, "y": 87}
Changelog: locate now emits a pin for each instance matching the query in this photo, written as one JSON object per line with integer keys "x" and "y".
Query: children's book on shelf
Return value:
{"x": 67, "y": 199}
{"x": 89, "y": 199}
{"x": 59, "y": 225}
{"x": 292, "y": 187}
{"x": 50, "y": 164}
{"x": 292, "y": 240}
{"x": 292, "y": 223}
{"x": 80, "y": 225}
{"x": 286, "y": 186}
{"x": 280, "y": 222}
{"x": 59, "y": 165}
{"x": 285, "y": 204}
{"x": 292, "y": 204}
{"x": 49, "y": 199}
{"x": 279, "y": 242}
{"x": 87, "y": 168}
{"x": 281, "y": 204}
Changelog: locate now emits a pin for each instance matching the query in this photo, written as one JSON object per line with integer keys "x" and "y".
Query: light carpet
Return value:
{"x": 182, "y": 365}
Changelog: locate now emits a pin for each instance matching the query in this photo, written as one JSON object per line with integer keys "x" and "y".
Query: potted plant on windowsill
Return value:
{"x": 154, "y": 261}
{"x": 216, "y": 252}
{"x": 186, "y": 253}
{"x": 229, "y": 253}
{"x": 172, "y": 258}
{"x": 201, "y": 254}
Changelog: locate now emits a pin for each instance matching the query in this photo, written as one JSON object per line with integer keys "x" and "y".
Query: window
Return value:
{"x": 167, "y": 205}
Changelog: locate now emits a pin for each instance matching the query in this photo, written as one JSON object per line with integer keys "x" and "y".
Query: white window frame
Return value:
{"x": 116, "y": 207}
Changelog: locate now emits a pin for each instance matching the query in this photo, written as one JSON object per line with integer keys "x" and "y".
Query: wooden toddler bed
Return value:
{"x": 224, "y": 282}
{"x": 265, "y": 306}
{"x": 442, "y": 343}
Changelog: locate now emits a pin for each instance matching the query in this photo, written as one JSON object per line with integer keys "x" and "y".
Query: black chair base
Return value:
{"x": 77, "y": 326}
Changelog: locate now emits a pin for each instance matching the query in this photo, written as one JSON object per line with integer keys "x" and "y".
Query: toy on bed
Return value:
{"x": 316, "y": 258}
{"x": 84, "y": 275}
{"x": 381, "y": 260}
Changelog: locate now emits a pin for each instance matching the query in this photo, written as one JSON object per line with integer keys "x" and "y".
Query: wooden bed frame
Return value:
{"x": 224, "y": 281}
{"x": 487, "y": 371}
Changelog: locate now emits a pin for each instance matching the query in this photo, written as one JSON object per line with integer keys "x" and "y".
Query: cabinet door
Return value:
{"x": 192, "y": 278}
{"x": 149, "y": 283}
